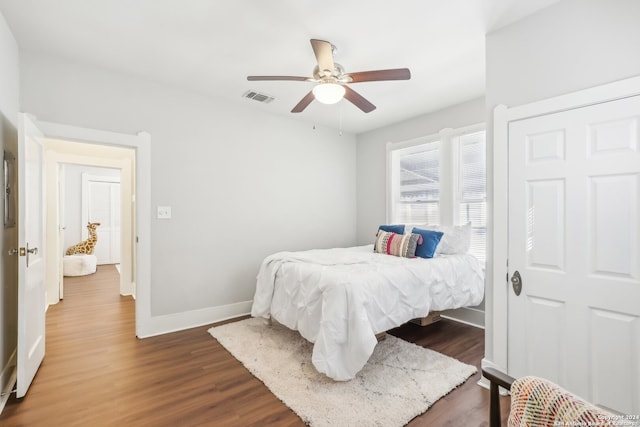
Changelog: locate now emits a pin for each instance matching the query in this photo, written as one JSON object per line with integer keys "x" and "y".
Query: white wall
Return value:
{"x": 572, "y": 45}
{"x": 241, "y": 183}
{"x": 9, "y": 107}
{"x": 73, "y": 199}
{"x": 371, "y": 158}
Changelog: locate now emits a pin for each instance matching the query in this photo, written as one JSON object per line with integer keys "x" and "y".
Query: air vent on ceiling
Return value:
{"x": 257, "y": 96}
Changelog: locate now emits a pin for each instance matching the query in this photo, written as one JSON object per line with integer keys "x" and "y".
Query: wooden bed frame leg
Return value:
{"x": 431, "y": 318}
{"x": 381, "y": 336}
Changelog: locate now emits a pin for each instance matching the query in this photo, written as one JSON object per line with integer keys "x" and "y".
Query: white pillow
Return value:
{"x": 456, "y": 238}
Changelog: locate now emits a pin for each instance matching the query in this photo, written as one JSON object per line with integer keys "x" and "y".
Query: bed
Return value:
{"x": 340, "y": 298}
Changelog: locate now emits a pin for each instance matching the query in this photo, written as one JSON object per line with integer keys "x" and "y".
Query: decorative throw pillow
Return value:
{"x": 456, "y": 239}
{"x": 394, "y": 228}
{"x": 430, "y": 240}
{"x": 403, "y": 245}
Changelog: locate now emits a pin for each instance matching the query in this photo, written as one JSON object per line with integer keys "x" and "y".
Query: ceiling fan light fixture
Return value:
{"x": 328, "y": 93}
{"x": 332, "y": 81}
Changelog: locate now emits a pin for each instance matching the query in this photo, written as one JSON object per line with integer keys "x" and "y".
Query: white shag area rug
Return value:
{"x": 399, "y": 382}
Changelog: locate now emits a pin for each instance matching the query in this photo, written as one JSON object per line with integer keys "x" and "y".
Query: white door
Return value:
{"x": 101, "y": 203}
{"x": 574, "y": 237}
{"x": 31, "y": 264}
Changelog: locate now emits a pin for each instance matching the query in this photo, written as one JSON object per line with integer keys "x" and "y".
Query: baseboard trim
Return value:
{"x": 468, "y": 316}
{"x": 168, "y": 323}
{"x": 483, "y": 382}
{"x": 8, "y": 380}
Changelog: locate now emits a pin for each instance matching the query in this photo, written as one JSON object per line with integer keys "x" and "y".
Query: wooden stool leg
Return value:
{"x": 494, "y": 410}
{"x": 498, "y": 379}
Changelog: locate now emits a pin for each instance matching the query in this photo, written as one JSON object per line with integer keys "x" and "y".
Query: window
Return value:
{"x": 441, "y": 180}
{"x": 472, "y": 190}
{"x": 416, "y": 189}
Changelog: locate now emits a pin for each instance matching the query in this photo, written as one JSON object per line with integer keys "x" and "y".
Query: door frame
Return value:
{"x": 496, "y": 314}
{"x": 141, "y": 143}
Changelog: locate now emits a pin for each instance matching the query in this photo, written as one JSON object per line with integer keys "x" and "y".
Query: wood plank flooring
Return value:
{"x": 97, "y": 373}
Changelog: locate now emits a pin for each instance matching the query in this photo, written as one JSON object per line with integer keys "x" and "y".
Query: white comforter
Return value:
{"x": 340, "y": 298}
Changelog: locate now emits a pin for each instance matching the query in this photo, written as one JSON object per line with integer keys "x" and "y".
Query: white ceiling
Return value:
{"x": 211, "y": 46}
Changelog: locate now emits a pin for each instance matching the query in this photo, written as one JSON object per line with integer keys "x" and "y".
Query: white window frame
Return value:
{"x": 392, "y": 174}
{"x": 450, "y": 168}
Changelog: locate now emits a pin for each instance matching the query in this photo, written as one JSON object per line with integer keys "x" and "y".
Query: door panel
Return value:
{"x": 574, "y": 204}
{"x": 99, "y": 211}
{"x": 549, "y": 314}
{"x": 613, "y": 222}
{"x": 545, "y": 228}
{"x": 612, "y": 381}
{"x": 31, "y": 264}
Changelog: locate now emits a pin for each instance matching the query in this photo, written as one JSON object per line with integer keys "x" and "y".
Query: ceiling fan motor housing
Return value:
{"x": 335, "y": 76}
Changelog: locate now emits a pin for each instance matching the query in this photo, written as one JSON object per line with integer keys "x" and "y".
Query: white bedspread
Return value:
{"x": 340, "y": 298}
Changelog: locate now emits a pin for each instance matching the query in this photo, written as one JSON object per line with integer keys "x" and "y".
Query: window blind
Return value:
{"x": 417, "y": 193}
{"x": 473, "y": 190}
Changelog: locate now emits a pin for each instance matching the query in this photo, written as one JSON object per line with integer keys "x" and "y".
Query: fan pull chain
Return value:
{"x": 340, "y": 107}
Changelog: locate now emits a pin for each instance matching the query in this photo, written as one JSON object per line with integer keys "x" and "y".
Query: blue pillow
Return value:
{"x": 430, "y": 240}
{"x": 397, "y": 228}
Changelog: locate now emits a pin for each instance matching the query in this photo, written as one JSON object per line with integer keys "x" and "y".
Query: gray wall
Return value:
{"x": 9, "y": 107}
{"x": 241, "y": 183}
{"x": 371, "y": 158}
{"x": 572, "y": 45}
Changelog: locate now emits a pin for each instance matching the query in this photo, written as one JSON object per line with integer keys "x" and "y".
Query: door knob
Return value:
{"x": 30, "y": 251}
{"x": 516, "y": 281}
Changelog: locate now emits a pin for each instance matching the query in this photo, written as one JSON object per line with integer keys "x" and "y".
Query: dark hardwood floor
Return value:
{"x": 97, "y": 373}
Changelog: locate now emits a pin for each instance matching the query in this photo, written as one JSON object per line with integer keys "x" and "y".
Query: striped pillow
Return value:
{"x": 403, "y": 245}
{"x": 539, "y": 402}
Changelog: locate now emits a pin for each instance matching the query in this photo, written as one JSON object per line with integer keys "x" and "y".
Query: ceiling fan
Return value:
{"x": 332, "y": 80}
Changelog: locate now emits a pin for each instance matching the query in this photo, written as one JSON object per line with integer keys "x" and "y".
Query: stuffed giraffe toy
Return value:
{"x": 86, "y": 247}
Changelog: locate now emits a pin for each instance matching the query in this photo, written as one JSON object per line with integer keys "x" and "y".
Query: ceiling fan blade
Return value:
{"x": 378, "y": 75}
{"x": 304, "y": 103}
{"x": 324, "y": 55}
{"x": 299, "y": 79}
{"x": 358, "y": 100}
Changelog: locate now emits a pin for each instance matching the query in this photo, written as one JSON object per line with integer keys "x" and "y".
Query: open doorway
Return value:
{"x": 89, "y": 194}
{"x": 65, "y": 161}
{"x": 42, "y": 148}
{"x": 80, "y": 145}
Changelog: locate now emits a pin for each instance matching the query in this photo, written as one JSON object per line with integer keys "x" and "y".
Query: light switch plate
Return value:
{"x": 164, "y": 212}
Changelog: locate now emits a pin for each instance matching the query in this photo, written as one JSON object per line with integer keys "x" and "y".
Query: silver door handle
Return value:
{"x": 516, "y": 281}
{"x": 33, "y": 251}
